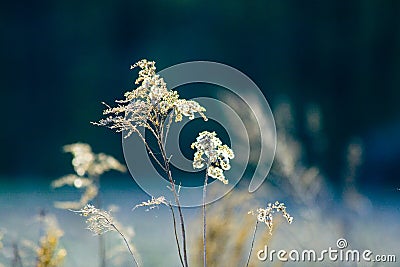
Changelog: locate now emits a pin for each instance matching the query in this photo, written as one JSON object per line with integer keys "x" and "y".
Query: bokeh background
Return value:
{"x": 329, "y": 69}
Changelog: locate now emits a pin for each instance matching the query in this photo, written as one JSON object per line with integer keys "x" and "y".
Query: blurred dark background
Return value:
{"x": 60, "y": 59}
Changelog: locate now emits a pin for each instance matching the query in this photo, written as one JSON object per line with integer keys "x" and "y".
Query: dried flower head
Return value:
{"x": 188, "y": 108}
{"x": 265, "y": 215}
{"x": 71, "y": 180}
{"x": 89, "y": 193}
{"x": 85, "y": 162}
{"x": 48, "y": 253}
{"x": 149, "y": 104}
{"x": 98, "y": 221}
{"x": 213, "y": 154}
{"x": 152, "y": 203}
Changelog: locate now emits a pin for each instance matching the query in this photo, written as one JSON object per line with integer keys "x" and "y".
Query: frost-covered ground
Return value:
{"x": 376, "y": 228}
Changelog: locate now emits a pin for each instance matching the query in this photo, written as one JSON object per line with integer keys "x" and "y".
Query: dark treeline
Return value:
{"x": 60, "y": 59}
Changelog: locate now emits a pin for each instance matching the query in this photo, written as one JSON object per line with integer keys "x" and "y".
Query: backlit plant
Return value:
{"x": 153, "y": 108}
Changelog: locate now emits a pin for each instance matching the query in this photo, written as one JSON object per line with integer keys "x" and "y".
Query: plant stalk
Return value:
{"x": 102, "y": 243}
{"x": 205, "y": 222}
{"x": 173, "y": 189}
{"x": 176, "y": 235}
{"x": 252, "y": 243}
{"x": 127, "y": 244}
{"x": 17, "y": 261}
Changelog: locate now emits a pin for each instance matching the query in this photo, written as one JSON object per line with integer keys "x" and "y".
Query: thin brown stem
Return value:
{"x": 126, "y": 243}
{"x": 17, "y": 261}
{"x": 168, "y": 126}
{"x": 182, "y": 222}
{"x": 102, "y": 251}
{"x": 102, "y": 243}
{"x": 252, "y": 243}
{"x": 176, "y": 235}
{"x": 150, "y": 151}
{"x": 204, "y": 222}
{"x": 157, "y": 131}
{"x": 161, "y": 131}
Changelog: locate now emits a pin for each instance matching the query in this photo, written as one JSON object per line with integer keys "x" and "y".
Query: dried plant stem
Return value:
{"x": 176, "y": 196}
{"x": 102, "y": 251}
{"x": 102, "y": 243}
{"x": 252, "y": 243}
{"x": 149, "y": 149}
{"x": 176, "y": 235}
{"x": 17, "y": 261}
{"x": 157, "y": 129}
{"x": 127, "y": 244}
{"x": 170, "y": 120}
{"x": 182, "y": 222}
{"x": 204, "y": 222}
